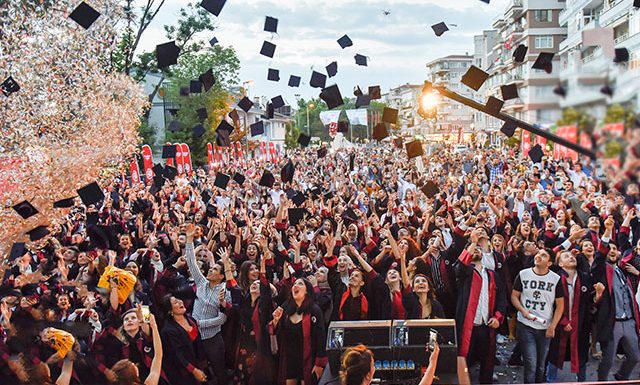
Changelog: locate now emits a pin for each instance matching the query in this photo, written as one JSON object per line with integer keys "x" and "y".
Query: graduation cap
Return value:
{"x": 270, "y": 110}
{"x": 158, "y": 170}
{"x": 268, "y": 49}
{"x": 474, "y": 78}
{"x": 245, "y": 104}
{"x": 374, "y": 92}
{"x": 380, "y": 131}
{"x": 167, "y": 54}
{"x": 207, "y": 79}
{"x": 221, "y": 181}
{"x": 636, "y": 3}
{"x": 299, "y": 198}
{"x": 206, "y": 197}
{"x": 390, "y": 115}
{"x": 290, "y": 193}
{"x": 277, "y": 102}
{"x": 168, "y": 151}
{"x": 327, "y": 195}
{"x": 322, "y": 152}
{"x": 257, "y": 128}
{"x": 195, "y": 86}
{"x": 345, "y": 42}
{"x": 519, "y": 53}
{"x": 439, "y": 28}
{"x": 304, "y": 139}
{"x": 331, "y": 95}
{"x": 267, "y": 179}
{"x": 38, "y": 233}
{"x": 90, "y": 194}
{"x": 508, "y": 128}
{"x": 9, "y": 86}
{"x": 414, "y": 149}
{"x": 84, "y": 15}
{"x": 273, "y": 75}
{"x": 318, "y": 80}
{"x": 222, "y": 138}
{"x": 25, "y": 209}
{"x": 286, "y": 173}
{"x": 184, "y": 91}
{"x": 494, "y": 105}
{"x": 332, "y": 69}
{"x": 202, "y": 113}
{"x": 239, "y": 178}
{"x": 363, "y": 100}
{"x": 233, "y": 114}
{"x": 349, "y": 215}
{"x": 606, "y": 90}
{"x": 170, "y": 172}
{"x": 430, "y": 189}
{"x": 213, "y": 6}
{"x": 213, "y": 41}
{"x": 17, "y": 251}
{"x": 535, "y": 153}
{"x": 398, "y": 142}
{"x": 198, "y": 130}
{"x": 64, "y": 203}
{"x": 294, "y": 81}
{"x": 361, "y": 60}
{"x": 622, "y": 55}
{"x": 224, "y": 126}
{"x": 509, "y": 91}
{"x": 560, "y": 91}
{"x": 357, "y": 91}
{"x": 544, "y": 61}
{"x": 271, "y": 24}
{"x": 211, "y": 211}
{"x": 174, "y": 126}
{"x": 343, "y": 126}
{"x": 296, "y": 215}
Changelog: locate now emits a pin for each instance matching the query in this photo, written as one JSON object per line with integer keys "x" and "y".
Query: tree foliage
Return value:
{"x": 291, "y": 135}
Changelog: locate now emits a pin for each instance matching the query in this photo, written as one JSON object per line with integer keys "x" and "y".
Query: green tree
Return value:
{"x": 147, "y": 132}
{"x": 225, "y": 66}
{"x": 291, "y": 135}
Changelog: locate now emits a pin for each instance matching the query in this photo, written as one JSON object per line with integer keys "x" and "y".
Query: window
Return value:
{"x": 544, "y": 41}
{"x": 542, "y": 15}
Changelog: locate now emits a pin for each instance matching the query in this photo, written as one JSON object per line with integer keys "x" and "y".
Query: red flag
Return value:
{"x": 526, "y": 143}
{"x": 272, "y": 155}
{"x": 210, "y": 156}
{"x": 179, "y": 160}
{"x": 186, "y": 158}
{"x": 134, "y": 171}
{"x": 147, "y": 161}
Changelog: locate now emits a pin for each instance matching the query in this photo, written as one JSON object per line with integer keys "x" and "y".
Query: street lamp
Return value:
{"x": 312, "y": 106}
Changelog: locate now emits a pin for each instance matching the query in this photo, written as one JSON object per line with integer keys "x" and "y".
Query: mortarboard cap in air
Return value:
{"x": 296, "y": 215}
{"x": 268, "y": 49}
{"x": 271, "y": 24}
{"x": 494, "y": 105}
{"x": 212, "y": 211}
{"x": 544, "y": 61}
{"x": 221, "y": 181}
{"x": 90, "y": 194}
{"x": 332, "y": 69}
{"x": 25, "y": 209}
{"x": 390, "y": 115}
{"x": 414, "y": 149}
{"x": 233, "y": 114}
{"x": 213, "y": 41}
{"x": 195, "y": 86}
{"x": 374, "y": 92}
{"x": 349, "y": 215}
{"x": 509, "y": 91}
{"x": 202, "y": 113}
{"x": 273, "y": 75}
{"x": 286, "y": 173}
{"x": 168, "y": 151}
{"x": 257, "y": 128}
{"x": 64, "y": 203}
{"x": 345, "y": 42}
{"x": 363, "y": 100}
{"x": 439, "y": 28}
{"x": 380, "y": 131}
{"x": 322, "y": 152}
{"x": 207, "y": 79}
{"x": 158, "y": 170}
{"x": 560, "y": 90}
{"x": 225, "y": 126}
{"x": 621, "y": 55}
{"x": 239, "y": 178}
{"x": 222, "y": 138}
{"x": 508, "y": 128}
{"x": 198, "y": 130}
{"x": 84, "y": 15}
{"x": 636, "y": 3}
{"x": 298, "y": 198}
{"x": 270, "y": 110}
{"x": 304, "y": 139}
{"x": 213, "y": 6}
{"x": 38, "y": 233}
{"x": 294, "y": 81}
{"x": 361, "y": 60}
{"x": 357, "y": 91}
{"x": 170, "y": 172}
{"x": 277, "y": 102}
{"x": 430, "y": 189}
{"x": 206, "y": 197}
{"x": 174, "y": 126}
{"x": 267, "y": 179}
{"x": 245, "y": 103}
{"x": 17, "y": 251}
{"x": 184, "y": 91}
{"x": 474, "y": 78}
{"x": 606, "y": 90}
{"x": 520, "y": 53}
{"x": 331, "y": 95}
{"x": 318, "y": 80}
{"x": 535, "y": 153}
{"x": 167, "y": 54}
{"x": 9, "y": 86}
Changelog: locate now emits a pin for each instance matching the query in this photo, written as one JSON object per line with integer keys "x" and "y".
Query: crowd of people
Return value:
{"x": 235, "y": 280}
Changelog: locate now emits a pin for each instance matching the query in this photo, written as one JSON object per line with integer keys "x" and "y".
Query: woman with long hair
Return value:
{"x": 418, "y": 297}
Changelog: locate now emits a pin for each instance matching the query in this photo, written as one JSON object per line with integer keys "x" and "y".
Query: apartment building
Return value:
{"x": 483, "y": 57}
{"x": 452, "y": 116}
{"x": 404, "y": 98}
{"x": 585, "y": 70}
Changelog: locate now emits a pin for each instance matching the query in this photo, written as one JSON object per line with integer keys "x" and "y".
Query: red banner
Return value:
{"x": 179, "y": 160}
{"x": 272, "y": 155}
{"x": 569, "y": 133}
{"x": 542, "y": 141}
{"x": 615, "y": 129}
{"x": 526, "y": 143}
{"x": 134, "y": 171}
{"x": 147, "y": 162}
{"x": 186, "y": 159}
{"x": 239, "y": 150}
{"x": 210, "y": 156}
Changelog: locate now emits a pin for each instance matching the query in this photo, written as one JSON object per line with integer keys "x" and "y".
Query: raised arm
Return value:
{"x": 156, "y": 364}
{"x": 67, "y": 369}
{"x": 190, "y": 256}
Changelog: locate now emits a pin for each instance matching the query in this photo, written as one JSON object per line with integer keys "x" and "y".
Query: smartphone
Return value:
{"x": 433, "y": 340}
{"x": 145, "y": 313}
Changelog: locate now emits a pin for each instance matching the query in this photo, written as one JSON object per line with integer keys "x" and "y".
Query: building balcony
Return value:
{"x": 614, "y": 10}
{"x": 621, "y": 38}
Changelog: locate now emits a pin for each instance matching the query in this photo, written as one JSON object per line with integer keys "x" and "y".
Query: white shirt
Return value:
{"x": 488, "y": 261}
{"x": 482, "y": 311}
{"x": 571, "y": 285}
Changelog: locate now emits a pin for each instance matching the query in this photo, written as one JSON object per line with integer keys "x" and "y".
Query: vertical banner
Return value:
{"x": 263, "y": 151}
{"x": 569, "y": 133}
{"x": 459, "y": 135}
{"x": 210, "y": 156}
{"x": 169, "y": 161}
{"x": 585, "y": 140}
{"x": 614, "y": 129}
{"x": 526, "y": 143}
{"x": 216, "y": 153}
{"x": 186, "y": 159}
{"x": 179, "y": 161}
{"x": 357, "y": 117}
{"x": 134, "y": 171}
{"x": 147, "y": 161}
{"x": 330, "y": 119}
{"x": 272, "y": 155}
{"x": 542, "y": 141}
{"x": 239, "y": 151}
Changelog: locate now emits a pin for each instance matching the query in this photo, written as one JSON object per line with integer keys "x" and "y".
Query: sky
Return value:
{"x": 397, "y": 45}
